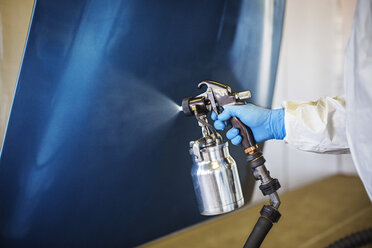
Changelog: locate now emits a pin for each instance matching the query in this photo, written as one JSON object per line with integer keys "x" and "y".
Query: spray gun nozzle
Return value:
{"x": 195, "y": 106}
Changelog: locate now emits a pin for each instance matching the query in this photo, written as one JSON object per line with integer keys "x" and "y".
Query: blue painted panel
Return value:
{"x": 95, "y": 153}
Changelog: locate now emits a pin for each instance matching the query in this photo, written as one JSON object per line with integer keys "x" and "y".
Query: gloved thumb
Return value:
{"x": 228, "y": 112}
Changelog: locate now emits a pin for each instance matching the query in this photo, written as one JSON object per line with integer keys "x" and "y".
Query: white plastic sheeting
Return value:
{"x": 358, "y": 89}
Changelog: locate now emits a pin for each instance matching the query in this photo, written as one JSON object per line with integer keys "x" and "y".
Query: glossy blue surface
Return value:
{"x": 95, "y": 153}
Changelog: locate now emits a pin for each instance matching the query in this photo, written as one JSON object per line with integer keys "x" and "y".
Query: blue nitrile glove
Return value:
{"x": 265, "y": 123}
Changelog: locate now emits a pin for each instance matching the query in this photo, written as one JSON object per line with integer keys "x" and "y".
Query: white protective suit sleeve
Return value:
{"x": 318, "y": 126}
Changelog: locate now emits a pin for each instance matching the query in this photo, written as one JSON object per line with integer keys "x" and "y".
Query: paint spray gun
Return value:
{"x": 214, "y": 172}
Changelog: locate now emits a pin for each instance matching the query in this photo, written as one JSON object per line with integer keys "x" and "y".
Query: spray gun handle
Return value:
{"x": 248, "y": 142}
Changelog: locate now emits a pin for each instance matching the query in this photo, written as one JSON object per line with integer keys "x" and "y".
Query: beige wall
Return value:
{"x": 315, "y": 35}
{"x": 14, "y": 21}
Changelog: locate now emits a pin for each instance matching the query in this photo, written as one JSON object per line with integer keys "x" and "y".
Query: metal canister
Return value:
{"x": 215, "y": 178}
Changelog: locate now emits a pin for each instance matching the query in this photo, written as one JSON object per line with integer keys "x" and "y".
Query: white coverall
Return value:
{"x": 327, "y": 125}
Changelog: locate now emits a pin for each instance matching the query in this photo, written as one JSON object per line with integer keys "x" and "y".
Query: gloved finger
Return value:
{"x": 236, "y": 140}
{"x": 232, "y": 133}
{"x": 227, "y": 113}
{"x": 214, "y": 116}
{"x": 220, "y": 125}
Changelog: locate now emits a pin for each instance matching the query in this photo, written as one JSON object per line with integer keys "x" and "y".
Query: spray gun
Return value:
{"x": 214, "y": 172}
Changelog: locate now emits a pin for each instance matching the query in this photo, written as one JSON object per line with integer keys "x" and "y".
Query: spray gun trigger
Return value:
{"x": 214, "y": 85}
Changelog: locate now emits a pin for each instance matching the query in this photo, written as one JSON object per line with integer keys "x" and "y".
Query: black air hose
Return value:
{"x": 357, "y": 239}
{"x": 258, "y": 233}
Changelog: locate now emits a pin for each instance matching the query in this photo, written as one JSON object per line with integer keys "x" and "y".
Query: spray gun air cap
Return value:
{"x": 186, "y": 107}
{"x": 195, "y": 105}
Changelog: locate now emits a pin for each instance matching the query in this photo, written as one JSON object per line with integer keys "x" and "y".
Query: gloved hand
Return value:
{"x": 265, "y": 123}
